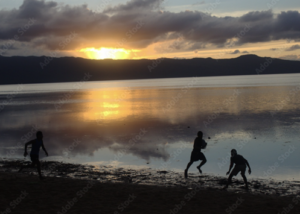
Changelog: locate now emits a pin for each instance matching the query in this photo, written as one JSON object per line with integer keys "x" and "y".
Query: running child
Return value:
{"x": 35, "y": 150}
{"x": 196, "y": 154}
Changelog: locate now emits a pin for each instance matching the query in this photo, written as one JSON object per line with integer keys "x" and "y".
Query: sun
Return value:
{"x": 106, "y": 53}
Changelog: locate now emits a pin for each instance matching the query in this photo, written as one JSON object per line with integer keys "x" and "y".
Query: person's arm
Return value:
{"x": 43, "y": 147}
{"x": 197, "y": 146}
{"x": 230, "y": 167}
{"x": 248, "y": 166}
{"x": 26, "y": 144}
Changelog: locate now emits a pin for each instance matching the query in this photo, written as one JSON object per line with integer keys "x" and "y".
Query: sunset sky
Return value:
{"x": 136, "y": 29}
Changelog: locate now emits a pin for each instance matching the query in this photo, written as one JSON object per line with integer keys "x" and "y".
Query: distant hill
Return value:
{"x": 17, "y": 70}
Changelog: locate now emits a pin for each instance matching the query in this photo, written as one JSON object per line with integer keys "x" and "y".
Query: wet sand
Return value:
{"x": 71, "y": 188}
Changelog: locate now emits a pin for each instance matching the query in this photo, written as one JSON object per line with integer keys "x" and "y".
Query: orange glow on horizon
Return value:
{"x": 106, "y": 53}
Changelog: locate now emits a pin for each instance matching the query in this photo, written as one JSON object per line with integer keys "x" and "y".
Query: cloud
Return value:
{"x": 134, "y": 5}
{"x": 235, "y": 52}
{"x": 292, "y": 48}
{"x": 199, "y": 3}
{"x": 257, "y": 16}
{"x": 117, "y": 26}
{"x": 180, "y": 45}
{"x": 291, "y": 57}
{"x": 238, "y": 51}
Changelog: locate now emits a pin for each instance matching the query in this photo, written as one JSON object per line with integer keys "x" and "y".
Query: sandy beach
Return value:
{"x": 25, "y": 193}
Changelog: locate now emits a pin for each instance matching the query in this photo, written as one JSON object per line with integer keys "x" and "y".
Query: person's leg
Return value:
{"x": 202, "y": 163}
{"x": 229, "y": 180}
{"x": 234, "y": 172}
{"x": 187, "y": 168}
{"x": 39, "y": 169}
{"x": 189, "y": 165}
{"x": 245, "y": 179}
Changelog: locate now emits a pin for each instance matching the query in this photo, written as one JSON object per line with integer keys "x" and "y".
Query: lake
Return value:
{"x": 152, "y": 123}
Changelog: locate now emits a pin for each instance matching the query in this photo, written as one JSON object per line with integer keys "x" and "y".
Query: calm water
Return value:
{"x": 152, "y": 123}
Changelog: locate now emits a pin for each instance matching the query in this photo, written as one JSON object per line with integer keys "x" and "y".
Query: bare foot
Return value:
{"x": 198, "y": 167}
{"x": 185, "y": 174}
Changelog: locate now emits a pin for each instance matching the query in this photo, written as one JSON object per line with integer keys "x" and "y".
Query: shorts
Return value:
{"x": 237, "y": 169}
{"x": 34, "y": 158}
{"x": 195, "y": 156}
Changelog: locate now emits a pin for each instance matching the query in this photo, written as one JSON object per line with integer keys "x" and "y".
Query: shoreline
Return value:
{"x": 152, "y": 177}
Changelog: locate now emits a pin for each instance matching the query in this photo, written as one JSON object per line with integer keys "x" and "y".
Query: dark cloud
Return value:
{"x": 291, "y": 57}
{"x": 292, "y": 48}
{"x": 238, "y": 52}
{"x": 134, "y": 5}
{"x": 7, "y": 47}
{"x": 119, "y": 26}
{"x": 181, "y": 45}
{"x": 235, "y": 52}
{"x": 257, "y": 16}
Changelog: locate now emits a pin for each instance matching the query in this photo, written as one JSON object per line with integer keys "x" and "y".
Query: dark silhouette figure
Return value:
{"x": 35, "y": 150}
{"x": 196, "y": 154}
{"x": 240, "y": 166}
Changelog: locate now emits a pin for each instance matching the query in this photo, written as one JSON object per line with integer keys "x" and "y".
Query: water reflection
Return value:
{"x": 106, "y": 121}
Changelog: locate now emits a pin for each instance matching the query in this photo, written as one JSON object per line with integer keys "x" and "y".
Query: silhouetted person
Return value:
{"x": 240, "y": 166}
{"x": 35, "y": 150}
{"x": 196, "y": 154}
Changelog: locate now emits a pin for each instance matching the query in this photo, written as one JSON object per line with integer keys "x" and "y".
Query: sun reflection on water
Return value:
{"x": 104, "y": 105}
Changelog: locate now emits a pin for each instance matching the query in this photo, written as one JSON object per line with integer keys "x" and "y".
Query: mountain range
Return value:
{"x": 22, "y": 70}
